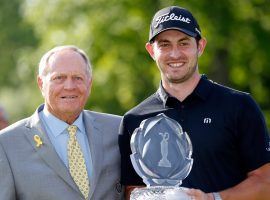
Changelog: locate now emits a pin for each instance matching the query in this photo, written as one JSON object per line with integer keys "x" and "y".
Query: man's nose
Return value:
{"x": 69, "y": 84}
{"x": 175, "y": 52}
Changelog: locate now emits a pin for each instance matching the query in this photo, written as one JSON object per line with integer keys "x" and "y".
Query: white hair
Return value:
{"x": 43, "y": 64}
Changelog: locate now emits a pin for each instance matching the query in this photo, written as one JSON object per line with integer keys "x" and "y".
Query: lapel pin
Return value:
{"x": 38, "y": 140}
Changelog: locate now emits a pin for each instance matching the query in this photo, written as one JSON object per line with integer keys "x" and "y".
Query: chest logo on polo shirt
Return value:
{"x": 207, "y": 120}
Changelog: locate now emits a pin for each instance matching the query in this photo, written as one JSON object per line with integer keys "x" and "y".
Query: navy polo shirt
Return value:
{"x": 226, "y": 127}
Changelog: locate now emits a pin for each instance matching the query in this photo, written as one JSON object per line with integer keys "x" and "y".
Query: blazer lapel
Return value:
{"x": 46, "y": 150}
{"x": 94, "y": 134}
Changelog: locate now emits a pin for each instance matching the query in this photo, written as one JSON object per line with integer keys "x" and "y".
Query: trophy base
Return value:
{"x": 159, "y": 193}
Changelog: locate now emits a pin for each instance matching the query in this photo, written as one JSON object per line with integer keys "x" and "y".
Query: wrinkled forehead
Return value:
{"x": 64, "y": 56}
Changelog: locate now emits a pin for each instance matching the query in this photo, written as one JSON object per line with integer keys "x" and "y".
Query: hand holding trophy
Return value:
{"x": 161, "y": 155}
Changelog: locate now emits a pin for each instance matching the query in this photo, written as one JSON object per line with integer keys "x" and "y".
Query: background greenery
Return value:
{"x": 114, "y": 32}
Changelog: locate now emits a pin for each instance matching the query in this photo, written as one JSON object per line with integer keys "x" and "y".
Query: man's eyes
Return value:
{"x": 184, "y": 43}
{"x": 63, "y": 77}
{"x": 78, "y": 78}
{"x": 164, "y": 44}
{"x": 168, "y": 44}
{"x": 58, "y": 78}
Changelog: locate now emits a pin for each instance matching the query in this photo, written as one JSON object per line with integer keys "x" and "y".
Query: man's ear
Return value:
{"x": 90, "y": 85}
{"x": 40, "y": 84}
{"x": 201, "y": 45}
{"x": 149, "y": 47}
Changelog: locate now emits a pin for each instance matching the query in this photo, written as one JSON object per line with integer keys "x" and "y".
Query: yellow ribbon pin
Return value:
{"x": 38, "y": 140}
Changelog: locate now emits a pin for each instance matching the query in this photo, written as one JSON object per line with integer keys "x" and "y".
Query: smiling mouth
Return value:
{"x": 176, "y": 65}
{"x": 69, "y": 97}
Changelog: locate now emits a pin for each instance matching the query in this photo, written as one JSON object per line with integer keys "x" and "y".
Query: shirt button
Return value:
{"x": 182, "y": 106}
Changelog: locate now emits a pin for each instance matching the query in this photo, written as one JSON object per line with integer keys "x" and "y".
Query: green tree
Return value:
{"x": 14, "y": 35}
{"x": 17, "y": 41}
{"x": 114, "y": 33}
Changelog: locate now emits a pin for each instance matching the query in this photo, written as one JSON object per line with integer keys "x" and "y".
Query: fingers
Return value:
{"x": 196, "y": 194}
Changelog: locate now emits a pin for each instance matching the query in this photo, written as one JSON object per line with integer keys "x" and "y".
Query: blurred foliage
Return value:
{"x": 114, "y": 33}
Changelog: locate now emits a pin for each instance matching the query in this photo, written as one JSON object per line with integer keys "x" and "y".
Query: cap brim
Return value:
{"x": 192, "y": 34}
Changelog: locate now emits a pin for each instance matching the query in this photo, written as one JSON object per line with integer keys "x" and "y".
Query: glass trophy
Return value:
{"x": 161, "y": 155}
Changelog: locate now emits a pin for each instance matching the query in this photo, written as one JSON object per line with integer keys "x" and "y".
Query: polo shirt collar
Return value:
{"x": 201, "y": 90}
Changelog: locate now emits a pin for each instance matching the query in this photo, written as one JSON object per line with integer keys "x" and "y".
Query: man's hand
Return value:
{"x": 199, "y": 195}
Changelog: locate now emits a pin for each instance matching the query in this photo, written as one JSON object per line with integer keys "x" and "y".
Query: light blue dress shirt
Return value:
{"x": 56, "y": 130}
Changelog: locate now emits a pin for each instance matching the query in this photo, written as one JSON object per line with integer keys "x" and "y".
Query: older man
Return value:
{"x": 61, "y": 152}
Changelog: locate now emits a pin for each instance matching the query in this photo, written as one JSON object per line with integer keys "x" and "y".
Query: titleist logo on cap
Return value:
{"x": 166, "y": 17}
